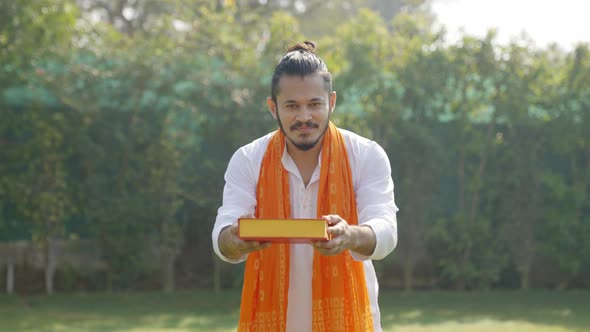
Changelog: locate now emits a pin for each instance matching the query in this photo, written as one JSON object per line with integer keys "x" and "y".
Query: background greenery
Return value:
{"x": 118, "y": 118}
{"x": 200, "y": 310}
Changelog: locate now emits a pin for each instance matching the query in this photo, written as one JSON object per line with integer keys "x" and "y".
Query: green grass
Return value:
{"x": 538, "y": 311}
{"x": 546, "y": 311}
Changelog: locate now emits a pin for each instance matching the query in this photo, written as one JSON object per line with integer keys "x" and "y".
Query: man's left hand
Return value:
{"x": 342, "y": 236}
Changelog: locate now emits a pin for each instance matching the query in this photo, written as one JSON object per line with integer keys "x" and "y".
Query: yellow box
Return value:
{"x": 283, "y": 230}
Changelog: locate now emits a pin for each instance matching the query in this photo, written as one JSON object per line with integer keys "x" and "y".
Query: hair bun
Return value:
{"x": 307, "y": 45}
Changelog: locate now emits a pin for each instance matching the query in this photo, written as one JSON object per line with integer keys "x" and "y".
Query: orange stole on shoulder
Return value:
{"x": 340, "y": 300}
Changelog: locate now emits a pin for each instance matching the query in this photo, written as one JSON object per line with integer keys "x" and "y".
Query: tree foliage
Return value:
{"x": 119, "y": 118}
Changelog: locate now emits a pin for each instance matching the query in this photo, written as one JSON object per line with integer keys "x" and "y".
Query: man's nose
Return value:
{"x": 304, "y": 114}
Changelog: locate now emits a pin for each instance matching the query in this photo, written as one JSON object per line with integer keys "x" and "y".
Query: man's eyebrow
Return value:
{"x": 312, "y": 100}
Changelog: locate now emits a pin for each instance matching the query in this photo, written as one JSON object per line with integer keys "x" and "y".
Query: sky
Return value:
{"x": 564, "y": 22}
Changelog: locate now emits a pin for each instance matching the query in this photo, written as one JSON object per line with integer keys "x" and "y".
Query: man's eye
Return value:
{"x": 291, "y": 106}
{"x": 315, "y": 105}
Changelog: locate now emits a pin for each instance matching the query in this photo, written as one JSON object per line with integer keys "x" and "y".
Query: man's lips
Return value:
{"x": 304, "y": 128}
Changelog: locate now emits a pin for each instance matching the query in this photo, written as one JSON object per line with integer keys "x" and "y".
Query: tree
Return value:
{"x": 473, "y": 257}
{"x": 566, "y": 228}
{"x": 35, "y": 173}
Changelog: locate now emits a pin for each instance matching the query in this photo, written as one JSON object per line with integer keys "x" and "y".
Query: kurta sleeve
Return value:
{"x": 239, "y": 197}
{"x": 375, "y": 200}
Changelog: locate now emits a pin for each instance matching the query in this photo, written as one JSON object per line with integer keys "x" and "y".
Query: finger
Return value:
{"x": 334, "y": 219}
{"x": 319, "y": 244}
{"x": 331, "y": 219}
{"x": 329, "y": 252}
{"x": 336, "y": 230}
{"x": 328, "y": 245}
{"x": 264, "y": 245}
{"x": 259, "y": 246}
{"x": 251, "y": 244}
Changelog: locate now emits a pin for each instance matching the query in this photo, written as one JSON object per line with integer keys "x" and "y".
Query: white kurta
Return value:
{"x": 373, "y": 186}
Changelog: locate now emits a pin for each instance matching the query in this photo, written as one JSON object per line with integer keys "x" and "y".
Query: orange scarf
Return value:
{"x": 340, "y": 301}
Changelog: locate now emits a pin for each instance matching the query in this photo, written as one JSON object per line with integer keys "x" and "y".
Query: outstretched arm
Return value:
{"x": 239, "y": 199}
{"x": 376, "y": 234}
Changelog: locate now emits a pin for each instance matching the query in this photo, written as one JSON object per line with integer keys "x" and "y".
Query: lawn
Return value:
{"x": 539, "y": 311}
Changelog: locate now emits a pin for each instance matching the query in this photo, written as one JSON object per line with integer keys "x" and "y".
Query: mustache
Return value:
{"x": 308, "y": 124}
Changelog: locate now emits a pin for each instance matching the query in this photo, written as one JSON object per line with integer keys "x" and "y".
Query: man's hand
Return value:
{"x": 342, "y": 237}
{"x": 360, "y": 239}
{"x": 232, "y": 247}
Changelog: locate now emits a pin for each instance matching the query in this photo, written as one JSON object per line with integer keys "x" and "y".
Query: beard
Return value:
{"x": 302, "y": 145}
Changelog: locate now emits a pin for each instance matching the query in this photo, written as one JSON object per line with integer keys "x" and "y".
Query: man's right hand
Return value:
{"x": 232, "y": 247}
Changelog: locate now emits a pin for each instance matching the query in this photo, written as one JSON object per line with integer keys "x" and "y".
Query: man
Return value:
{"x": 308, "y": 169}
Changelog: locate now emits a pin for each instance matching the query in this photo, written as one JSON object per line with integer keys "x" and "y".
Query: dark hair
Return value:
{"x": 301, "y": 60}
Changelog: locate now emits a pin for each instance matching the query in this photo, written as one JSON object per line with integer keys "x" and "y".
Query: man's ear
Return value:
{"x": 332, "y": 101}
{"x": 272, "y": 107}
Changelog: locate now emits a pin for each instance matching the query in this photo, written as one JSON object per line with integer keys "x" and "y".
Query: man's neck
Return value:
{"x": 306, "y": 161}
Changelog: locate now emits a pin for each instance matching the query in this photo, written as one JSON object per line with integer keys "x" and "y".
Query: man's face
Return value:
{"x": 303, "y": 109}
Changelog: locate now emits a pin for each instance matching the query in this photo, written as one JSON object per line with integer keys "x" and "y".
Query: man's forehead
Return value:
{"x": 302, "y": 87}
